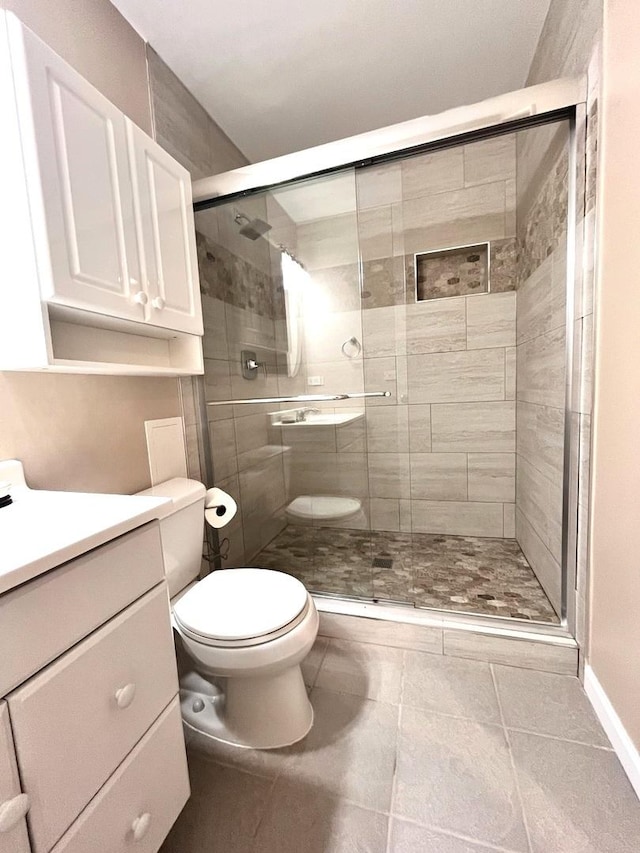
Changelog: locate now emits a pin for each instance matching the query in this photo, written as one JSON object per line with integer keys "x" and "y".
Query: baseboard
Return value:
{"x": 623, "y": 745}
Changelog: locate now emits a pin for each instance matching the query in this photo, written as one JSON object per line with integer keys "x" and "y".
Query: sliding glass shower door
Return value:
{"x": 385, "y": 356}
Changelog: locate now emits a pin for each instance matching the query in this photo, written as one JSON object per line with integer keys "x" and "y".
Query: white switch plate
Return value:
{"x": 315, "y": 380}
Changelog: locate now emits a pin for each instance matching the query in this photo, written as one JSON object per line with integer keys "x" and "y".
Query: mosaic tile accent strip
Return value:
{"x": 544, "y": 227}
{"x": 235, "y": 281}
{"x": 460, "y": 573}
{"x": 452, "y": 272}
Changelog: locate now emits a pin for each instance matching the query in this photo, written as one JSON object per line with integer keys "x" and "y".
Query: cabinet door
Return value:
{"x": 75, "y": 153}
{"x": 166, "y": 229}
{"x": 13, "y": 827}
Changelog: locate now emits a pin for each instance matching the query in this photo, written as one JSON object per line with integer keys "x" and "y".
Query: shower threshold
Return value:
{"x": 449, "y": 576}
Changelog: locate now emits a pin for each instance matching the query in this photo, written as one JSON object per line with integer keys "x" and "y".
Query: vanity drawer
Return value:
{"x": 75, "y": 721}
{"x": 146, "y": 793}
{"x": 13, "y": 826}
{"x": 43, "y": 618}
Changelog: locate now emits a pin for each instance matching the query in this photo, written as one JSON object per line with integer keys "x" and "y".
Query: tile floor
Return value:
{"x": 464, "y": 573}
{"x": 413, "y": 752}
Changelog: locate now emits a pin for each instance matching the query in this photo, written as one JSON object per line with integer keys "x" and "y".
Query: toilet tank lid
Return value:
{"x": 183, "y": 493}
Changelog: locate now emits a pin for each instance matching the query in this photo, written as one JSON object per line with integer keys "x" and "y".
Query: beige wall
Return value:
{"x": 615, "y": 536}
{"x": 83, "y": 432}
{"x": 94, "y": 37}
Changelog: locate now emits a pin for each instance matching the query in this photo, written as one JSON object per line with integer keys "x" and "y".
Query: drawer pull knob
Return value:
{"x": 124, "y": 696}
{"x": 158, "y": 303}
{"x": 140, "y": 826}
{"x": 12, "y": 811}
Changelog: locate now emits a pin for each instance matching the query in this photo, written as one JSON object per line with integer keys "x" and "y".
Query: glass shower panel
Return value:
{"x": 439, "y": 280}
{"x": 281, "y": 292}
{"x": 464, "y": 302}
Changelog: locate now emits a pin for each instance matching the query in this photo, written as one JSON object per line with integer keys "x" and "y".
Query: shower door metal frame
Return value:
{"x": 540, "y": 105}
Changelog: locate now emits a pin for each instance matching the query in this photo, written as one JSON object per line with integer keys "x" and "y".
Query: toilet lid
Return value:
{"x": 240, "y": 604}
{"x": 323, "y": 507}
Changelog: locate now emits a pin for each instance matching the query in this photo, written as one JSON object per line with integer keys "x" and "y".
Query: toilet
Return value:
{"x": 246, "y": 631}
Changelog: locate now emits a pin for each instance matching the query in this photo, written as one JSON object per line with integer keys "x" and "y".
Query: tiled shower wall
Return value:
{"x": 243, "y": 308}
{"x": 439, "y": 454}
{"x": 542, "y": 157}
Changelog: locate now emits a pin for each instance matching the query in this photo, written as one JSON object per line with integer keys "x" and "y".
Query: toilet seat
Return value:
{"x": 323, "y": 508}
{"x": 235, "y": 608}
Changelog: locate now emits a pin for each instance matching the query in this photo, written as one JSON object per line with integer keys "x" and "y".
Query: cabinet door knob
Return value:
{"x": 158, "y": 302}
{"x": 124, "y": 695}
{"x": 140, "y": 826}
{"x": 12, "y": 811}
{"x": 141, "y": 297}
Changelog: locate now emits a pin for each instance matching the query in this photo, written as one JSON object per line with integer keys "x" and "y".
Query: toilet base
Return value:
{"x": 268, "y": 712}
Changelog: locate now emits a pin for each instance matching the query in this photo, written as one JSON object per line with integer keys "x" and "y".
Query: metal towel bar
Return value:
{"x": 302, "y": 398}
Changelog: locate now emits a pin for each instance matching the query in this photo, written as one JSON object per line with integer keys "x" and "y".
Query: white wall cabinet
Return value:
{"x": 100, "y": 269}
{"x": 165, "y": 225}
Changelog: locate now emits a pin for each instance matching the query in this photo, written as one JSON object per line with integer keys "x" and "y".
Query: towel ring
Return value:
{"x": 354, "y": 343}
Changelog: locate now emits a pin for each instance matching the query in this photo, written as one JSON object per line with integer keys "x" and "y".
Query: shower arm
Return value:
{"x": 302, "y": 398}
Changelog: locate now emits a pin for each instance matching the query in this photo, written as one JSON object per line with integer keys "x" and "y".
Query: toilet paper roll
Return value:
{"x": 219, "y": 508}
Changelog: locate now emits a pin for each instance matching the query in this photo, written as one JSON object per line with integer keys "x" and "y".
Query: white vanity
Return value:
{"x": 92, "y": 753}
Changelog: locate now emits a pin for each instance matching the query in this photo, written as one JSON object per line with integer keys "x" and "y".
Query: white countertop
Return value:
{"x": 40, "y": 529}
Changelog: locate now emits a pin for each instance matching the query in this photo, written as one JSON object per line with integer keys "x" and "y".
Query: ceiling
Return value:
{"x": 284, "y": 75}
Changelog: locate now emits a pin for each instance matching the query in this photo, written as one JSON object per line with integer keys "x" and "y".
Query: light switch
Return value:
{"x": 315, "y": 380}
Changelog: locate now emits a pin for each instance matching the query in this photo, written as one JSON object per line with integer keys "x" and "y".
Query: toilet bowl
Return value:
{"x": 325, "y": 510}
{"x": 245, "y": 631}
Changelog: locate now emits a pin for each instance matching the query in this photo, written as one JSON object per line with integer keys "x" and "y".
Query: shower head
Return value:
{"x": 251, "y": 228}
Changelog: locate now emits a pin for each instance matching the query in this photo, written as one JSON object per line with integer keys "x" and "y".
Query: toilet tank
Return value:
{"x": 181, "y": 529}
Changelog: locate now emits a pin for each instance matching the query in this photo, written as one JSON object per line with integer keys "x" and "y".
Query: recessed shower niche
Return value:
{"x": 459, "y": 271}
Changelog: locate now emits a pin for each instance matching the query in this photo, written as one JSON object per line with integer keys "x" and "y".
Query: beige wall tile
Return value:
{"x": 540, "y": 501}
{"x": 490, "y": 160}
{"x": 314, "y": 473}
{"x": 420, "y": 428}
{"x": 384, "y": 514}
{"x": 541, "y": 303}
{"x": 427, "y": 174}
{"x": 492, "y": 477}
{"x": 388, "y": 429}
{"x": 223, "y": 449}
{"x": 384, "y": 331}
{"x": 380, "y": 374}
{"x": 375, "y": 233}
{"x": 546, "y": 568}
{"x": 456, "y": 376}
{"x": 509, "y": 513}
{"x": 510, "y": 362}
{"x": 439, "y": 476}
{"x": 456, "y": 218}
{"x": 511, "y": 652}
{"x": 491, "y": 320}
{"x": 379, "y": 185}
{"x": 389, "y": 475}
{"x": 262, "y": 497}
{"x": 405, "y": 515}
{"x": 481, "y": 427}
{"x": 541, "y": 369}
{"x": 184, "y": 128}
{"x": 457, "y": 518}
{"x": 329, "y": 242}
{"x": 436, "y": 326}
{"x": 540, "y": 438}
{"x": 214, "y": 343}
{"x": 510, "y": 199}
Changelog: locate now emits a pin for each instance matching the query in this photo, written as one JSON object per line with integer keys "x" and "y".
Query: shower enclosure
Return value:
{"x": 388, "y": 371}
